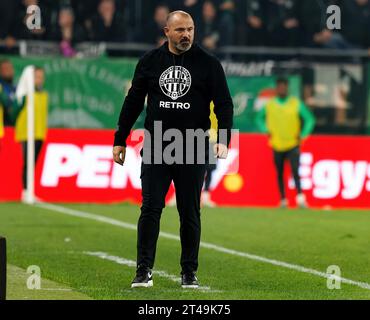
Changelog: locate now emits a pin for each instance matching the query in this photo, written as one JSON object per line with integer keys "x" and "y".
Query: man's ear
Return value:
{"x": 165, "y": 30}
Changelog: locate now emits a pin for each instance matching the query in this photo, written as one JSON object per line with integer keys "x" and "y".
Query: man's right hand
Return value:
{"x": 117, "y": 151}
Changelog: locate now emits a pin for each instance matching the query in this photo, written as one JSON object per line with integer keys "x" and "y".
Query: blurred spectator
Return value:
{"x": 356, "y": 22}
{"x": 153, "y": 32}
{"x": 240, "y": 18}
{"x": 256, "y": 25}
{"x": 272, "y": 22}
{"x": 84, "y": 10}
{"x": 226, "y": 13}
{"x": 313, "y": 19}
{"x": 331, "y": 40}
{"x": 108, "y": 24}
{"x": 193, "y": 7}
{"x": 7, "y": 16}
{"x": 282, "y": 23}
{"x": 207, "y": 28}
{"x": 19, "y": 29}
{"x": 68, "y": 32}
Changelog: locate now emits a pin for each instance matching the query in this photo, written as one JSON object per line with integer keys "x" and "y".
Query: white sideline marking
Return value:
{"x": 131, "y": 263}
{"x": 56, "y": 289}
{"x": 91, "y": 216}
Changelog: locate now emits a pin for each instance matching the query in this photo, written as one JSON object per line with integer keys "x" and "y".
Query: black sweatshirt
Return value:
{"x": 179, "y": 102}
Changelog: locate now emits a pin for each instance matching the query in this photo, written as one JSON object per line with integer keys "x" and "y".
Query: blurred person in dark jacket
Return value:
{"x": 108, "y": 24}
{"x": 226, "y": 13}
{"x": 153, "y": 33}
{"x": 208, "y": 34}
{"x": 356, "y": 22}
{"x": 68, "y": 32}
{"x": 193, "y": 7}
{"x": 273, "y": 22}
{"x": 8, "y": 11}
{"x": 255, "y": 21}
{"x": 313, "y": 18}
{"x": 282, "y": 23}
{"x": 19, "y": 29}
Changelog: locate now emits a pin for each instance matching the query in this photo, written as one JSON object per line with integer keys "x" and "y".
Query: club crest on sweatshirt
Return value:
{"x": 175, "y": 82}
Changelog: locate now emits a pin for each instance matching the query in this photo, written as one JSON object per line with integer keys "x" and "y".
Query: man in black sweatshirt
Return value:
{"x": 180, "y": 80}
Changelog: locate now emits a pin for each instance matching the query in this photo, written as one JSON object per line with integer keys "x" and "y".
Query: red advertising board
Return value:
{"x": 77, "y": 166}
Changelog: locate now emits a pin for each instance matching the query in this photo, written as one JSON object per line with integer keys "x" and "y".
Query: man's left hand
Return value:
{"x": 220, "y": 151}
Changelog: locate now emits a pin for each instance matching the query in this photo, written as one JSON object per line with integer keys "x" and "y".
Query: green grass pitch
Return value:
{"x": 91, "y": 250}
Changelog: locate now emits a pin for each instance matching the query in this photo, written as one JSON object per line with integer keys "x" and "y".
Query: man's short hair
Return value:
{"x": 2, "y": 61}
{"x": 67, "y": 9}
{"x": 39, "y": 68}
{"x": 282, "y": 80}
{"x": 180, "y": 12}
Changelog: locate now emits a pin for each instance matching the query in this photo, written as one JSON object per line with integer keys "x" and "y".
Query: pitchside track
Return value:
{"x": 245, "y": 253}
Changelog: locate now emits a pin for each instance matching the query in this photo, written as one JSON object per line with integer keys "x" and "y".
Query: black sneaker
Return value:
{"x": 189, "y": 280}
{"x": 144, "y": 278}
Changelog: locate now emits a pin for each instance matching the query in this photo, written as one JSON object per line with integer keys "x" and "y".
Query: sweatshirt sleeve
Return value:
{"x": 132, "y": 106}
{"x": 308, "y": 120}
{"x": 223, "y": 103}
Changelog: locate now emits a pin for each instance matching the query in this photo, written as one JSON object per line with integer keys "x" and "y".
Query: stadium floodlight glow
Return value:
{"x": 2, "y": 268}
{"x": 26, "y": 87}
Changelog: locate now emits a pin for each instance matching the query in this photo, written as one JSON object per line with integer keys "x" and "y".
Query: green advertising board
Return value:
{"x": 83, "y": 93}
{"x": 88, "y": 93}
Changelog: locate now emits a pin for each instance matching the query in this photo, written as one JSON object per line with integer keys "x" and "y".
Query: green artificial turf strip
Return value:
{"x": 49, "y": 290}
{"x": 312, "y": 239}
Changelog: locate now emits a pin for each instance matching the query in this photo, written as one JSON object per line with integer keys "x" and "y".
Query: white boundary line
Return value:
{"x": 54, "y": 289}
{"x": 132, "y": 264}
{"x": 96, "y": 217}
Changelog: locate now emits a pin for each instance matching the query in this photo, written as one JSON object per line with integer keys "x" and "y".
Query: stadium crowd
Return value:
{"x": 279, "y": 23}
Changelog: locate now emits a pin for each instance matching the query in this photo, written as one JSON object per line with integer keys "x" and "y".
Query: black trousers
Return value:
{"x": 38, "y": 146}
{"x": 279, "y": 158}
{"x": 156, "y": 179}
{"x": 208, "y": 178}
